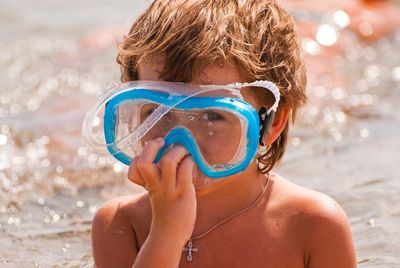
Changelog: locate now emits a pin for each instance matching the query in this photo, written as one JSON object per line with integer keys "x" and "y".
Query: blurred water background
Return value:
{"x": 57, "y": 57}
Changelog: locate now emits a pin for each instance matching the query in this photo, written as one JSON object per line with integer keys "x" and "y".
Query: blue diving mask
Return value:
{"x": 214, "y": 123}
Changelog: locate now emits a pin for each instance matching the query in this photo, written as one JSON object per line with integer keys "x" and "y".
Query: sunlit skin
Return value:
{"x": 290, "y": 226}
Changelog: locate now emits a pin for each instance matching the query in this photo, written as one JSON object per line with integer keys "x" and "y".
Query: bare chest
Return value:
{"x": 244, "y": 242}
{"x": 243, "y": 245}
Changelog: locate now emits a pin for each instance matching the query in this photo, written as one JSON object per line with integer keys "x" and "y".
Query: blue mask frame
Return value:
{"x": 182, "y": 136}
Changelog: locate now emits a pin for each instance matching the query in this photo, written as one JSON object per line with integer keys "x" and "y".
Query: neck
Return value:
{"x": 228, "y": 197}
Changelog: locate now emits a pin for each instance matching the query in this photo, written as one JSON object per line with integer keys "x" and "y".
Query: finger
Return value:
{"x": 169, "y": 164}
{"x": 145, "y": 166}
{"x": 185, "y": 174}
{"x": 134, "y": 174}
{"x": 150, "y": 150}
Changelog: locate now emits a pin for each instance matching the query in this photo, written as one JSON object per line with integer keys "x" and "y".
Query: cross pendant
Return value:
{"x": 189, "y": 250}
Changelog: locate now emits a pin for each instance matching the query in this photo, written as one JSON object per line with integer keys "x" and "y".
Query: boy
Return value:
{"x": 253, "y": 218}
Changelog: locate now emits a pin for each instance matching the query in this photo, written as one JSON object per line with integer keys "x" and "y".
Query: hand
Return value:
{"x": 170, "y": 187}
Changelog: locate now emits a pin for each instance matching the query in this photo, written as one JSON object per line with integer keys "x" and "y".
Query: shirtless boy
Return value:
{"x": 251, "y": 218}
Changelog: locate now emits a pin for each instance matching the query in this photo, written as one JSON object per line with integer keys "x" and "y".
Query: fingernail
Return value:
{"x": 160, "y": 139}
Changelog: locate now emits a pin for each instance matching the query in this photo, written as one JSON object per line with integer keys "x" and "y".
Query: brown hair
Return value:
{"x": 257, "y": 36}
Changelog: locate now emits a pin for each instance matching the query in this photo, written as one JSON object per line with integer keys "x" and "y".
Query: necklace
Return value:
{"x": 190, "y": 246}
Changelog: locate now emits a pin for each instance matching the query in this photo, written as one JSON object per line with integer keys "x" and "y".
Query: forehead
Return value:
{"x": 216, "y": 74}
{"x": 211, "y": 74}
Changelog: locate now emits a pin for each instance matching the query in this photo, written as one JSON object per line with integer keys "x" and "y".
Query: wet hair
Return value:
{"x": 257, "y": 36}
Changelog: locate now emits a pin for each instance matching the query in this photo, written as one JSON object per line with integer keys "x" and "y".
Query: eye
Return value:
{"x": 212, "y": 116}
{"x": 149, "y": 111}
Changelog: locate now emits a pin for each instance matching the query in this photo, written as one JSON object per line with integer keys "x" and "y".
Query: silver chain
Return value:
{"x": 234, "y": 215}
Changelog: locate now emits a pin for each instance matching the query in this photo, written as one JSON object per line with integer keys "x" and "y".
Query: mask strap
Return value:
{"x": 266, "y": 120}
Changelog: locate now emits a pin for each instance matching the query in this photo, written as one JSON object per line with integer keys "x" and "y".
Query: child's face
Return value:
{"x": 212, "y": 74}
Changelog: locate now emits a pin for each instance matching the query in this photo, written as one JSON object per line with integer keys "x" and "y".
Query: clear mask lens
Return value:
{"x": 218, "y": 133}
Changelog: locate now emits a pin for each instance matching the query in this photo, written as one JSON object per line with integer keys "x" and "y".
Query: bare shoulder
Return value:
{"x": 114, "y": 227}
{"x": 307, "y": 202}
{"x": 319, "y": 221}
{"x": 125, "y": 209}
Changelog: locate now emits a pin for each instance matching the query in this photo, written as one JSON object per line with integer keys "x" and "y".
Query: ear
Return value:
{"x": 278, "y": 125}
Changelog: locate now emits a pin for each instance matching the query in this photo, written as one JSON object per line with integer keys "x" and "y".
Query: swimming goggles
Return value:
{"x": 214, "y": 123}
